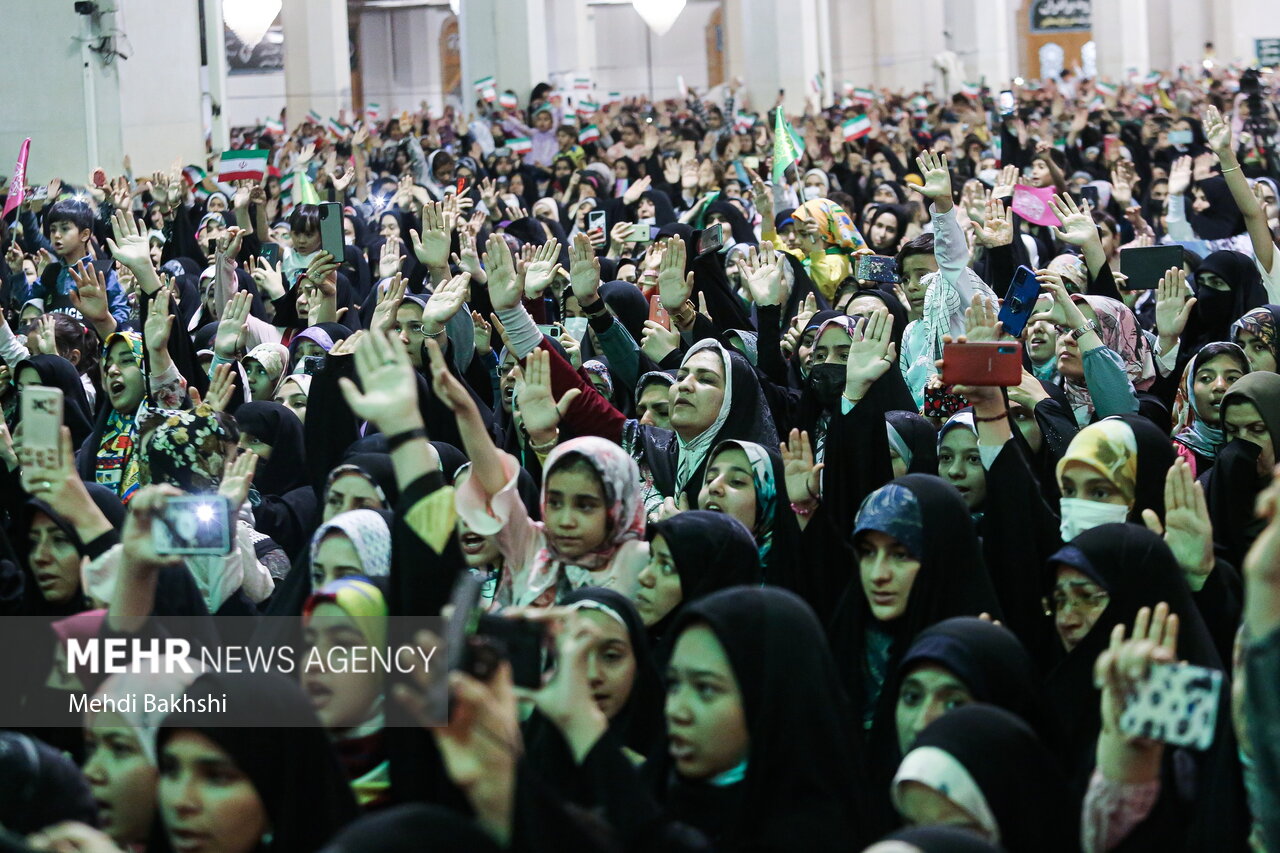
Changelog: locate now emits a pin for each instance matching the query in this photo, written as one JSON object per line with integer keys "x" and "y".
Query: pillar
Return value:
{"x": 570, "y": 40}
{"x": 780, "y": 46}
{"x": 317, "y": 66}
{"x": 1122, "y": 36}
{"x": 505, "y": 39}
{"x": 1237, "y": 23}
{"x": 162, "y": 117}
{"x": 982, "y": 35}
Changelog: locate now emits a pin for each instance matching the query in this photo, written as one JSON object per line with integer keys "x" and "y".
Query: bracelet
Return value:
{"x": 427, "y": 334}
{"x": 545, "y": 448}
{"x": 401, "y": 438}
{"x": 850, "y": 400}
{"x": 802, "y": 510}
{"x": 991, "y": 419}
{"x": 1234, "y": 168}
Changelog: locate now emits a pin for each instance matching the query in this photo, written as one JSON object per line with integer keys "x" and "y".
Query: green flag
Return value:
{"x": 787, "y": 145}
{"x": 306, "y": 191}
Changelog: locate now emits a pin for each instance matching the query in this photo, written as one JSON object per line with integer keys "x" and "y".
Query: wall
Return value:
{"x": 252, "y": 98}
{"x": 400, "y": 59}
{"x": 620, "y": 38}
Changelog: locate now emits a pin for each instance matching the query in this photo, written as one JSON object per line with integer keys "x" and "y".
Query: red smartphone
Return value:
{"x": 985, "y": 363}
{"x": 658, "y": 314}
{"x": 99, "y": 178}
{"x": 462, "y": 185}
{"x": 1110, "y": 147}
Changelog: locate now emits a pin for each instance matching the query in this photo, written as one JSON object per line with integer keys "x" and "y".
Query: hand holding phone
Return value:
{"x": 41, "y": 419}
{"x": 985, "y": 363}
{"x": 1020, "y": 301}
{"x": 880, "y": 268}
{"x": 332, "y": 239}
{"x": 193, "y": 525}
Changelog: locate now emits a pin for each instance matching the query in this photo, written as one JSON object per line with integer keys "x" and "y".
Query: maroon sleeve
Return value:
{"x": 590, "y": 414}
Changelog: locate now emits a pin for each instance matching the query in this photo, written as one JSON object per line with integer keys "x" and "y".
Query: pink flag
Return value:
{"x": 18, "y": 186}
{"x": 1032, "y": 204}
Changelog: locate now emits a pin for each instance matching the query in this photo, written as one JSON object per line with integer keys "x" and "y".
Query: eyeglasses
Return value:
{"x": 1075, "y": 598}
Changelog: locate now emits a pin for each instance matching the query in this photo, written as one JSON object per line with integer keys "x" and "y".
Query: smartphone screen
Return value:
{"x": 1005, "y": 103}
{"x": 193, "y": 524}
{"x": 1090, "y": 194}
{"x": 595, "y": 219}
{"x": 711, "y": 239}
{"x": 41, "y": 418}
{"x": 271, "y": 253}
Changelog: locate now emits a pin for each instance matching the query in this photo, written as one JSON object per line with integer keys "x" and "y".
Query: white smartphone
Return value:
{"x": 41, "y": 416}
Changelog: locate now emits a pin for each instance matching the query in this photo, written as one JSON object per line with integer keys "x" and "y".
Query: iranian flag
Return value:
{"x": 587, "y": 109}
{"x": 590, "y": 133}
{"x": 1145, "y": 101}
{"x": 744, "y": 122}
{"x": 856, "y": 128}
{"x": 193, "y": 175}
{"x": 508, "y": 101}
{"x": 487, "y": 88}
{"x": 373, "y": 111}
{"x": 1153, "y": 79}
{"x": 971, "y": 90}
{"x": 314, "y": 117}
{"x": 582, "y": 84}
{"x": 1107, "y": 90}
{"x": 520, "y": 145}
{"x": 613, "y": 98}
{"x": 246, "y": 164}
{"x": 337, "y": 128}
{"x": 865, "y": 95}
{"x": 275, "y": 126}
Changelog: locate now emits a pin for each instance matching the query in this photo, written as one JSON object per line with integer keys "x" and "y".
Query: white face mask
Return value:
{"x": 811, "y": 192}
{"x": 1079, "y": 515}
{"x": 649, "y": 220}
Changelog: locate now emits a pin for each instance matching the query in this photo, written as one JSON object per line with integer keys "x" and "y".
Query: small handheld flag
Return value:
{"x": 246, "y": 164}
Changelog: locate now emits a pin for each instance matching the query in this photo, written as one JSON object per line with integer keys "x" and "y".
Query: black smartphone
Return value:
{"x": 310, "y": 365}
{"x": 1146, "y": 265}
{"x": 331, "y": 238}
{"x": 210, "y": 248}
{"x": 193, "y": 525}
{"x": 270, "y": 253}
{"x": 1090, "y": 194}
{"x": 711, "y": 239}
{"x": 1020, "y": 301}
{"x": 877, "y": 268}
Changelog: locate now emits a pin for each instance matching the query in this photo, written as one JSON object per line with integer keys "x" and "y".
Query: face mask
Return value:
{"x": 650, "y": 221}
{"x": 1180, "y": 137}
{"x": 812, "y": 192}
{"x": 827, "y": 382}
{"x": 1079, "y": 515}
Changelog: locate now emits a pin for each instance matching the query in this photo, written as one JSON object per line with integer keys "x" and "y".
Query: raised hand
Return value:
{"x": 504, "y": 286}
{"x": 1061, "y": 311}
{"x": 871, "y": 353}
{"x": 1173, "y": 307}
{"x": 674, "y": 285}
{"x": 761, "y": 272}
{"x": 232, "y": 330}
{"x": 937, "y": 179}
{"x": 981, "y": 321}
{"x": 432, "y": 248}
{"x": 1077, "y": 227}
{"x": 387, "y": 395}
{"x": 1005, "y": 182}
{"x": 657, "y": 342}
{"x": 389, "y": 299}
{"x": 468, "y": 257}
{"x": 803, "y": 477}
{"x": 129, "y": 246}
{"x": 483, "y": 333}
{"x": 222, "y": 386}
{"x": 389, "y": 262}
{"x": 90, "y": 294}
{"x": 542, "y": 268}
{"x": 1180, "y": 176}
{"x": 636, "y": 190}
{"x": 1187, "y": 529}
{"x": 584, "y": 270}
{"x": 996, "y": 228}
{"x": 159, "y": 323}
{"x": 269, "y": 279}
{"x": 538, "y": 407}
{"x": 1126, "y": 663}
{"x": 43, "y": 337}
{"x": 237, "y": 477}
{"x": 229, "y": 243}
{"x": 445, "y": 301}
{"x": 1217, "y": 131}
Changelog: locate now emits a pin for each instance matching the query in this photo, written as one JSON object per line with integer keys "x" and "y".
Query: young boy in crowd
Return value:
{"x": 70, "y": 224}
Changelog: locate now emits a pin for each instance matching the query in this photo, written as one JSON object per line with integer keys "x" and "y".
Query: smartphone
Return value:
{"x": 331, "y": 237}
{"x": 99, "y": 178}
{"x": 1180, "y": 137}
{"x": 270, "y": 253}
{"x": 658, "y": 314}
{"x": 478, "y": 642}
{"x": 640, "y": 233}
{"x": 985, "y": 363}
{"x": 752, "y": 163}
{"x": 210, "y": 248}
{"x": 1146, "y": 265}
{"x": 41, "y": 424}
{"x": 711, "y": 239}
{"x": 551, "y": 331}
{"x": 877, "y": 268}
{"x": 595, "y": 219}
{"x": 1090, "y": 194}
{"x": 41, "y": 192}
{"x": 462, "y": 185}
{"x": 1110, "y": 147}
{"x": 577, "y": 327}
{"x": 193, "y": 525}
{"x": 1176, "y": 704}
{"x": 310, "y": 365}
{"x": 1005, "y": 103}
{"x": 1020, "y": 301}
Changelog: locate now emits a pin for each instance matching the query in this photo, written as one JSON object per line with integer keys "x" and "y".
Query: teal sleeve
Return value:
{"x": 623, "y": 354}
{"x": 1108, "y": 384}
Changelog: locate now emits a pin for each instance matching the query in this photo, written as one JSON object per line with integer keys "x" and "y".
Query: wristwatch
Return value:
{"x": 1091, "y": 326}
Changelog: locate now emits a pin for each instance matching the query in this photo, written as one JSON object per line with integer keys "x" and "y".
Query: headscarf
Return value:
{"x": 1262, "y": 324}
{"x": 369, "y": 534}
{"x": 834, "y": 224}
{"x": 798, "y": 789}
{"x": 116, "y": 464}
{"x": 915, "y": 440}
{"x": 768, "y": 489}
{"x": 1105, "y": 450}
{"x": 1222, "y": 219}
{"x": 1019, "y": 785}
{"x": 618, "y": 478}
{"x": 278, "y": 427}
{"x": 1190, "y": 428}
{"x": 1110, "y": 448}
{"x": 274, "y": 359}
{"x": 293, "y": 767}
{"x": 1119, "y": 330}
{"x": 900, "y": 217}
{"x": 145, "y": 724}
{"x": 1216, "y": 310}
{"x": 597, "y": 367}
{"x": 56, "y": 372}
{"x": 403, "y": 829}
{"x": 374, "y": 467}
{"x": 943, "y": 839}
{"x": 694, "y": 452}
{"x": 186, "y": 449}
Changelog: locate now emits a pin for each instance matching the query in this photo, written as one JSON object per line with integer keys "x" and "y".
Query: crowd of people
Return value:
{"x": 629, "y": 371}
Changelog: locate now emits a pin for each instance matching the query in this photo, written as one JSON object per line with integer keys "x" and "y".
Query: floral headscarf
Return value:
{"x": 1261, "y": 323}
{"x": 1118, "y": 328}
{"x": 117, "y": 464}
{"x": 598, "y": 368}
{"x": 619, "y": 477}
{"x": 274, "y": 359}
{"x": 834, "y": 224}
{"x": 369, "y": 535}
{"x": 184, "y": 449}
{"x": 766, "y": 488}
{"x": 1110, "y": 448}
{"x": 1189, "y": 427}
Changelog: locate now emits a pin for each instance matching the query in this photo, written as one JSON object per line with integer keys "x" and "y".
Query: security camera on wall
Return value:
{"x": 86, "y": 7}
